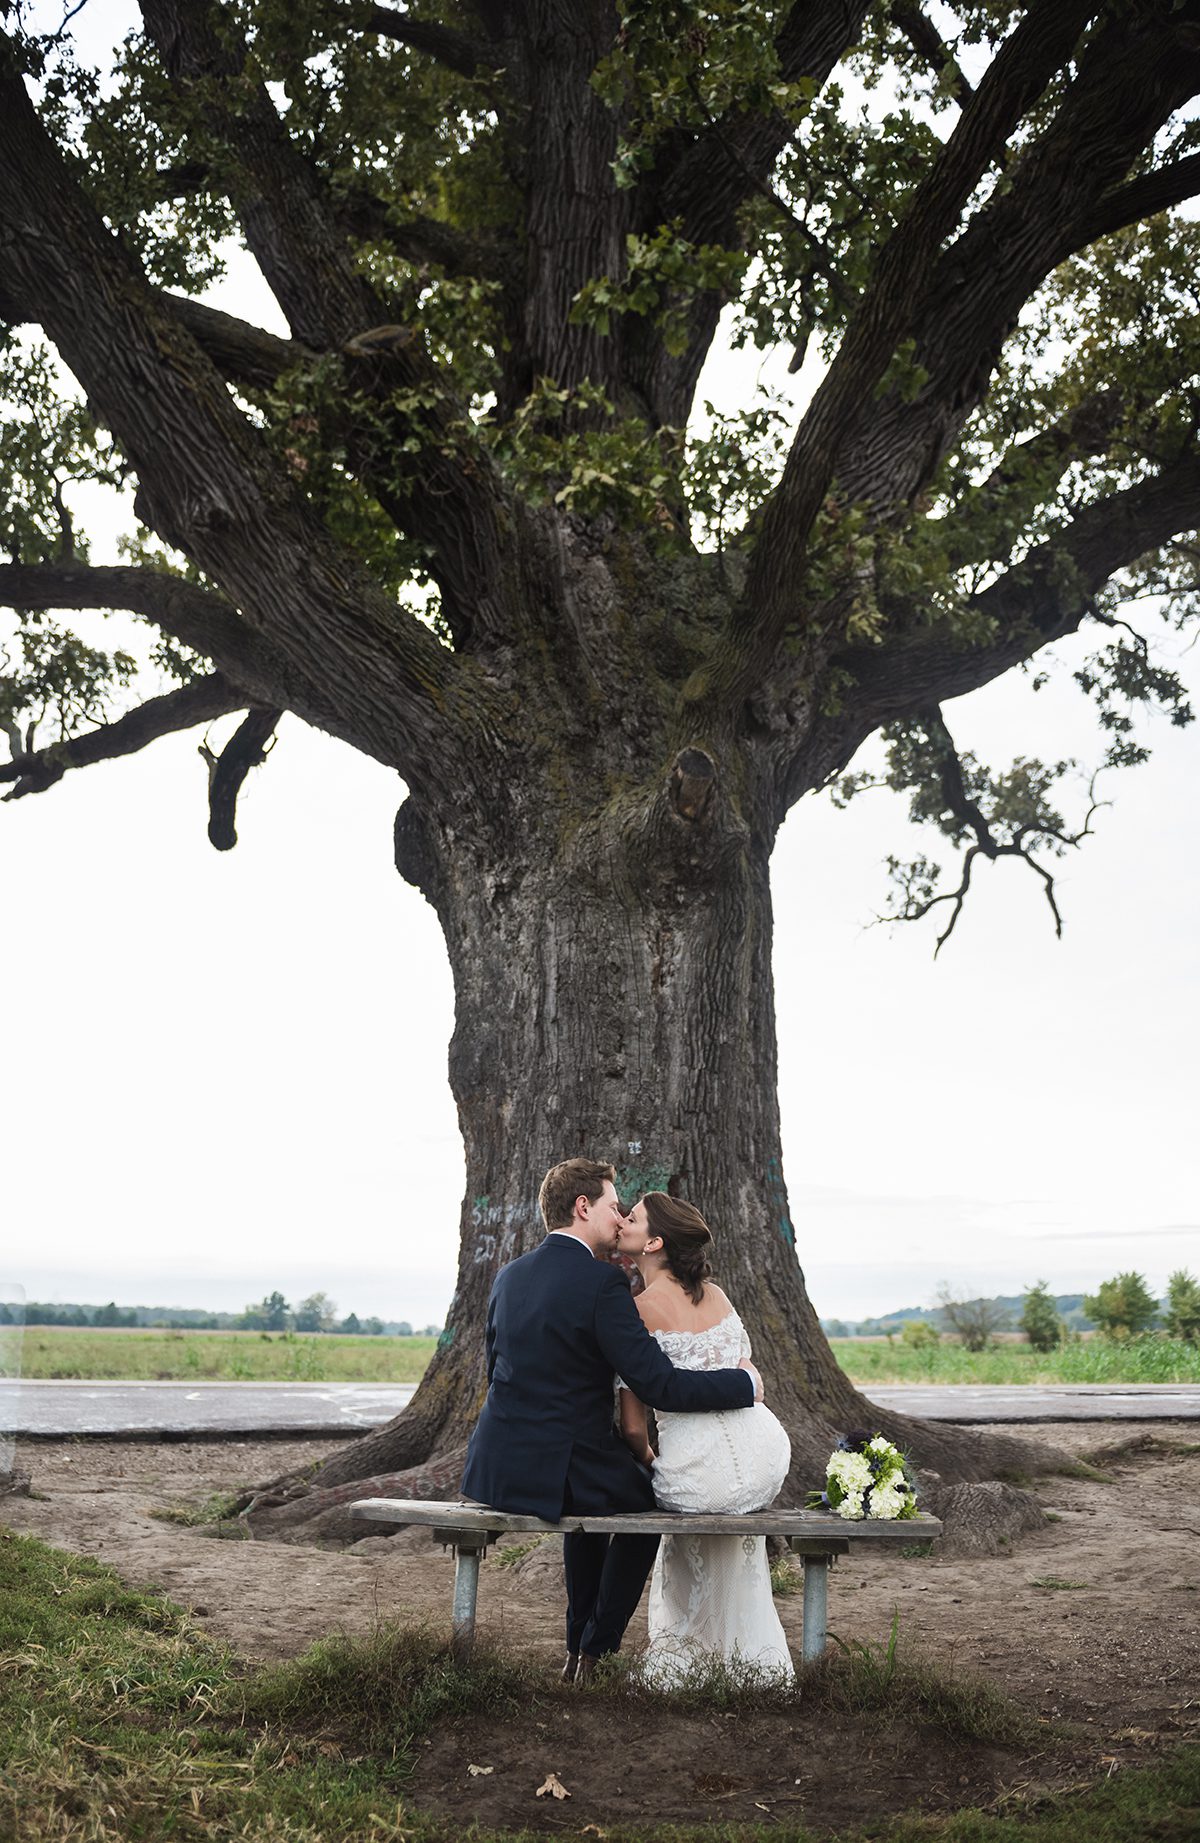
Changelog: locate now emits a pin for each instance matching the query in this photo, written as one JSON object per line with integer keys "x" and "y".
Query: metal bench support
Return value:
{"x": 817, "y": 1557}
{"x": 466, "y": 1590}
{"x": 816, "y": 1607}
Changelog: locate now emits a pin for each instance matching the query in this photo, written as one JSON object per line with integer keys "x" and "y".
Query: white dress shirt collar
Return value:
{"x": 570, "y": 1235}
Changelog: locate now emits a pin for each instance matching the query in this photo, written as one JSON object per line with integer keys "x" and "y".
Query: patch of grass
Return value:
{"x": 1080, "y": 1468}
{"x": 63, "y": 1352}
{"x": 916, "y": 1551}
{"x": 212, "y": 1509}
{"x": 1150, "y": 1358}
{"x": 514, "y": 1552}
{"x": 787, "y": 1577}
{"x": 1053, "y": 1583}
{"x": 386, "y": 1689}
{"x": 1160, "y": 1802}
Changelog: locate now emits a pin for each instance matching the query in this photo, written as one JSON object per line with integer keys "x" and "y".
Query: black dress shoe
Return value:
{"x": 571, "y": 1668}
{"x": 585, "y": 1670}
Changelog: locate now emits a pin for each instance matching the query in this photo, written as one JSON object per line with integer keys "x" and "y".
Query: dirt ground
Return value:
{"x": 1094, "y": 1620}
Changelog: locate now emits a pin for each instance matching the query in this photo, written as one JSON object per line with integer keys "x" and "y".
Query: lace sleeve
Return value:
{"x": 745, "y": 1350}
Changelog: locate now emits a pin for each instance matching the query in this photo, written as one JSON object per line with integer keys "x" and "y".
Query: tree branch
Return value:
{"x": 243, "y": 353}
{"x": 427, "y": 486}
{"x": 703, "y": 180}
{"x": 247, "y": 748}
{"x": 929, "y": 46}
{"x": 207, "y": 481}
{"x": 453, "y": 49}
{"x": 971, "y": 818}
{"x": 1045, "y": 596}
{"x": 1087, "y": 429}
{"x": 1131, "y": 78}
{"x": 200, "y": 618}
{"x": 417, "y": 238}
{"x": 1141, "y": 198}
{"x": 288, "y": 224}
{"x": 1027, "y": 61}
{"x": 200, "y": 702}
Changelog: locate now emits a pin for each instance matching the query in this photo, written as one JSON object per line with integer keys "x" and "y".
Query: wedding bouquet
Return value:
{"x": 866, "y": 1477}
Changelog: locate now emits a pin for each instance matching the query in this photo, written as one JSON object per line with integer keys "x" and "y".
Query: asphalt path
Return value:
{"x": 298, "y": 1410}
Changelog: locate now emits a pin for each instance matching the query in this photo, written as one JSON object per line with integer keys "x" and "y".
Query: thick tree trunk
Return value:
{"x": 610, "y": 1005}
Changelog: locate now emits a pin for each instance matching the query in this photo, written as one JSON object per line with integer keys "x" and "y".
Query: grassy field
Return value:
{"x": 285, "y": 1356}
{"x": 120, "y": 1722}
{"x": 220, "y": 1356}
{"x": 1144, "y": 1359}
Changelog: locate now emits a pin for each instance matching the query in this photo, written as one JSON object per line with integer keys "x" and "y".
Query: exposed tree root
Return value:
{"x": 292, "y": 1510}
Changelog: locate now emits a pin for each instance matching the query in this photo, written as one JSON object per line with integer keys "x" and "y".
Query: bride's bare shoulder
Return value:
{"x": 652, "y": 1310}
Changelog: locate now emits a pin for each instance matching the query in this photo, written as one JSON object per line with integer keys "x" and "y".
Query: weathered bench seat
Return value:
{"x": 816, "y": 1536}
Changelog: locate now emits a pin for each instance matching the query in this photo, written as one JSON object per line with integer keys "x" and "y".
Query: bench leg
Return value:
{"x": 466, "y": 1589}
{"x": 816, "y": 1606}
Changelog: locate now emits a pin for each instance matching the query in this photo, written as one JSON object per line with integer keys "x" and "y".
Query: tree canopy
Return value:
{"x": 502, "y": 236}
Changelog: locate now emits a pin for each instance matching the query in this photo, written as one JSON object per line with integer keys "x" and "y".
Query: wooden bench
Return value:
{"x": 816, "y": 1536}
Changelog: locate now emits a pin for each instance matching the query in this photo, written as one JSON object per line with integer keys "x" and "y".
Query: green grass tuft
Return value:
{"x": 386, "y": 1689}
{"x": 513, "y": 1552}
{"x": 787, "y": 1577}
{"x": 213, "y": 1509}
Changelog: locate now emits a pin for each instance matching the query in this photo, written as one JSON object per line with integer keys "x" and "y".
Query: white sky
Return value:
{"x": 226, "y": 1073}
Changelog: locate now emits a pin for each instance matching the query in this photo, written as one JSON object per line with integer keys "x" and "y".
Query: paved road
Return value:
{"x": 1059, "y": 1401}
{"x": 173, "y": 1410}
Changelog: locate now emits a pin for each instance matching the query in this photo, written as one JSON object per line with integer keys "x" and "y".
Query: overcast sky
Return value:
{"x": 227, "y": 1073}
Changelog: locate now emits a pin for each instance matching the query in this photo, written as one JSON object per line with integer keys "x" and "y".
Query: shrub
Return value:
{"x": 976, "y": 1321}
{"x": 1040, "y": 1320}
{"x": 1183, "y": 1306}
{"x": 1122, "y": 1307}
{"x": 919, "y": 1334}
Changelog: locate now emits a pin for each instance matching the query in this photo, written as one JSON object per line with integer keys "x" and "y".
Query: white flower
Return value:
{"x": 880, "y": 1445}
{"x": 851, "y": 1506}
{"x": 852, "y": 1471}
{"x": 886, "y": 1502}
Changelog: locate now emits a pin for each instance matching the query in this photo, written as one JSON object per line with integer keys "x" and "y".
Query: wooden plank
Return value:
{"x": 808, "y": 1525}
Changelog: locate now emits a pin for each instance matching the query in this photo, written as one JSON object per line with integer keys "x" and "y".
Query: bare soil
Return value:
{"x": 1093, "y": 1620}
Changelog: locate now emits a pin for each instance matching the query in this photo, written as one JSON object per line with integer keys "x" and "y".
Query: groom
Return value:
{"x": 561, "y": 1321}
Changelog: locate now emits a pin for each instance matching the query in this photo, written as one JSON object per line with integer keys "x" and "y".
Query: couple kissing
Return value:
{"x": 563, "y": 1330}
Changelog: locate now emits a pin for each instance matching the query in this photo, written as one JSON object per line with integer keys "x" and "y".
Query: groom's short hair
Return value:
{"x": 575, "y": 1177}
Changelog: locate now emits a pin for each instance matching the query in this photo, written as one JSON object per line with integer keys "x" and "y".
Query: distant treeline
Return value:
{"x": 316, "y": 1314}
{"x": 1068, "y": 1305}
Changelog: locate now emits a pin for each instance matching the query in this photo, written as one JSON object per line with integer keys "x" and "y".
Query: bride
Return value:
{"x": 709, "y": 1595}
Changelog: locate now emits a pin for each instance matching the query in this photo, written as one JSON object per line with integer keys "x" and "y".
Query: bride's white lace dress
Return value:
{"x": 712, "y": 1594}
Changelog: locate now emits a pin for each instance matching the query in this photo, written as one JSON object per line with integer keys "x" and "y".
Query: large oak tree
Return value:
{"x": 455, "y": 517}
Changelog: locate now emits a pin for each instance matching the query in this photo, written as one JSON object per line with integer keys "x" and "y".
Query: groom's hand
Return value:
{"x": 745, "y": 1363}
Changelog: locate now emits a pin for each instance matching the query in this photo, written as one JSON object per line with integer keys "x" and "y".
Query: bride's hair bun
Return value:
{"x": 686, "y": 1238}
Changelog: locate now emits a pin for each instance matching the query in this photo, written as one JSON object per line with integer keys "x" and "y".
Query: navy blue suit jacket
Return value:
{"x": 559, "y": 1325}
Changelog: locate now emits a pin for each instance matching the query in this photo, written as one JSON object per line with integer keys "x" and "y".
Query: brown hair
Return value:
{"x": 575, "y": 1177}
{"x": 686, "y": 1239}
